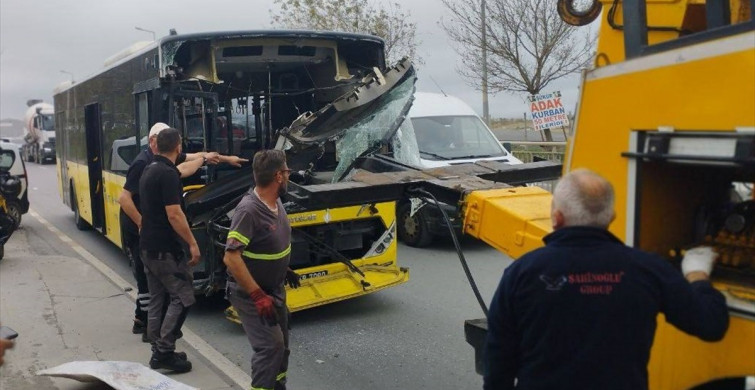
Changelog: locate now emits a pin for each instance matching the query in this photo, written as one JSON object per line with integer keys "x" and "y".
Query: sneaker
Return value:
{"x": 170, "y": 361}
{"x": 139, "y": 327}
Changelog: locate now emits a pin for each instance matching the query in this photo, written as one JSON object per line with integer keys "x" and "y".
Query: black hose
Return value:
{"x": 463, "y": 261}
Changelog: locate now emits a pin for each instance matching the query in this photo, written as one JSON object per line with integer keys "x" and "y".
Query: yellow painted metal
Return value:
{"x": 341, "y": 283}
{"x": 512, "y": 220}
{"x": 705, "y": 87}
{"x": 667, "y": 13}
{"x": 333, "y": 282}
{"x": 113, "y": 187}
{"x": 681, "y": 14}
{"x": 341, "y": 69}
{"x": 78, "y": 174}
{"x": 675, "y": 95}
{"x": 681, "y": 361}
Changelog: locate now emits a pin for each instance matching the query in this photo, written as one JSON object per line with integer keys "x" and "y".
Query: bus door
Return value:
{"x": 93, "y": 129}
{"x": 196, "y": 115}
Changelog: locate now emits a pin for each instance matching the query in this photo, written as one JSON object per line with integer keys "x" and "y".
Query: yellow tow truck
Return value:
{"x": 667, "y": 115}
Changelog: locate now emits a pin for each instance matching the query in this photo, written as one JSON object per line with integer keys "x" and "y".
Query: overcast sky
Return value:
{"x": 38, "y": 39}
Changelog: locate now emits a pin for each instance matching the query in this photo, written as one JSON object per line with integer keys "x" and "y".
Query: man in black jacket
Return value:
{"x": 580, "y": 313}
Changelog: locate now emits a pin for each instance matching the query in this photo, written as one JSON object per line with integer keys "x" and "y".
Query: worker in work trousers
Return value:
{"x": 257, "y": 255}
{"x": 131, "y": 217}
{"x": 164, "y": 230}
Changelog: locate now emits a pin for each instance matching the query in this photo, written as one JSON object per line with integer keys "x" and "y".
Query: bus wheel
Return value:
{"x": 81, "y": 223}
{"x": 413, "y": 229}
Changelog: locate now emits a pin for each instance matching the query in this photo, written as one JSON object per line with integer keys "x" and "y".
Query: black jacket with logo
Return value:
{"x": 580, "y": 313}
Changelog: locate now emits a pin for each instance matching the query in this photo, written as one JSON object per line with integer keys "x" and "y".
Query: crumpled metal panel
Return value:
{"x": 368, "y": 98}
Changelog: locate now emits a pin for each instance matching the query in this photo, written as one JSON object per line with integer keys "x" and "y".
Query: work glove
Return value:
{"x": 700, "y": 258}
{"x": 292, "y": 279}
{"x": 265, "y": 307}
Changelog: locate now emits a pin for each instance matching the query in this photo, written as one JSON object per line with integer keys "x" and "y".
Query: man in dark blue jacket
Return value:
{"x": 580, "y": 313}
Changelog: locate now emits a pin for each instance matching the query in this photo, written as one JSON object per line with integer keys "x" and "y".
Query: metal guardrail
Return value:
{"x": 529, "y": 151}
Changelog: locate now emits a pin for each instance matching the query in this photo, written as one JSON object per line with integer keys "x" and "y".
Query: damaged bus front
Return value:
{"x": 325, "y": 103}
{"x": 312, "y": 94}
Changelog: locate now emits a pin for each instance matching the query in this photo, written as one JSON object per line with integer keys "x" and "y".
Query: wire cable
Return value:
{"x": 463, "y": 260}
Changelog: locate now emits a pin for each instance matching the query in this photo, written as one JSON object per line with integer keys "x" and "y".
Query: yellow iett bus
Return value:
{"x": 236, "y": 93}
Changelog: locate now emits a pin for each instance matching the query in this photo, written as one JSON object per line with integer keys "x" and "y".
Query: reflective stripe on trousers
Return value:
{"x": 269, "y": 343}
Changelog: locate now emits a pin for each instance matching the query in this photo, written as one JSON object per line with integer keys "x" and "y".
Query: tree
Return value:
{"x": 527, "y": 44}
{"x": 390, "y": 23}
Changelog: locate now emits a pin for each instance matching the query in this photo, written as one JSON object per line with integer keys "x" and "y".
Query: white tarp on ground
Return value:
{"x": 119, "y": 375}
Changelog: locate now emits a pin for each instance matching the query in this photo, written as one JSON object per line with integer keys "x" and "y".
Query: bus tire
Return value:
{"x": 81, "y": 223}
{"x": 413, "y": 229}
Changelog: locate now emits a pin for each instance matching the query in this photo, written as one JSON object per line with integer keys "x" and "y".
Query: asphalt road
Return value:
{"x": 406, "y": 337}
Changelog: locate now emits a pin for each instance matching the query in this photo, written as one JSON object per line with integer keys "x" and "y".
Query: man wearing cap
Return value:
{"x": 131, "y": 218}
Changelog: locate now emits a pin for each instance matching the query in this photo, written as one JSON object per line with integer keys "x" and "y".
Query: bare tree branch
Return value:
{"x": 528, "y": 45}
{"x": 391, "y": 22}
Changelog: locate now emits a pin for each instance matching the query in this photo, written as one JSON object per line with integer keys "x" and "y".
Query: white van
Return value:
{"x": 448, "y": 132}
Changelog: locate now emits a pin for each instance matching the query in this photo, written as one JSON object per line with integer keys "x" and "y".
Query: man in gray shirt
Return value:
{"x": 257, "y": 254}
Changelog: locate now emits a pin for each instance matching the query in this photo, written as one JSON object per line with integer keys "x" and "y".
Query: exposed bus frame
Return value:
{"x": 144, "y": 84}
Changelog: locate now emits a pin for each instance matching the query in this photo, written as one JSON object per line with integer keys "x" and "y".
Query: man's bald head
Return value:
{"x": 583, "y": 198}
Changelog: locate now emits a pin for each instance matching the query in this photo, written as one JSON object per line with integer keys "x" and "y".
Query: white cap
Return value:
{"x": 157, "y": 128}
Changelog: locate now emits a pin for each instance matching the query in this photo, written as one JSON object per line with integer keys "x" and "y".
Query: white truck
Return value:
{"x": 39, "y": 132}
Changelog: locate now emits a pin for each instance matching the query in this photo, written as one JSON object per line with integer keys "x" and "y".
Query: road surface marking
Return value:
{"x": 212, "y": 355}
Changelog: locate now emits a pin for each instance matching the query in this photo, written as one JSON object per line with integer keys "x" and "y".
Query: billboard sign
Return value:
{"x": 548, "y": 111}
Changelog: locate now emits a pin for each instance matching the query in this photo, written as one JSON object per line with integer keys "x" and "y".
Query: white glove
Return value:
{"x": 700, "y": 258}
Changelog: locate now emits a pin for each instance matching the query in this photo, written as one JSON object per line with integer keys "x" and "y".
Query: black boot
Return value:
{"x": 170, "y": 361}
{"x": 139, "y": 327}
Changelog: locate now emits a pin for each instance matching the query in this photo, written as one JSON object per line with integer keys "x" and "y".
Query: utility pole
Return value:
{"x": 485, "y": 107}
{"x": 68, "y": 73}
{"x": 154, "y": 36}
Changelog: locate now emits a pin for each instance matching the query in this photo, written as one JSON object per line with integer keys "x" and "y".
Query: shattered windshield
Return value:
{"x": 405, "y": 147}
{"x": 377, "y": 126}
{"x": 450, "y": 137}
